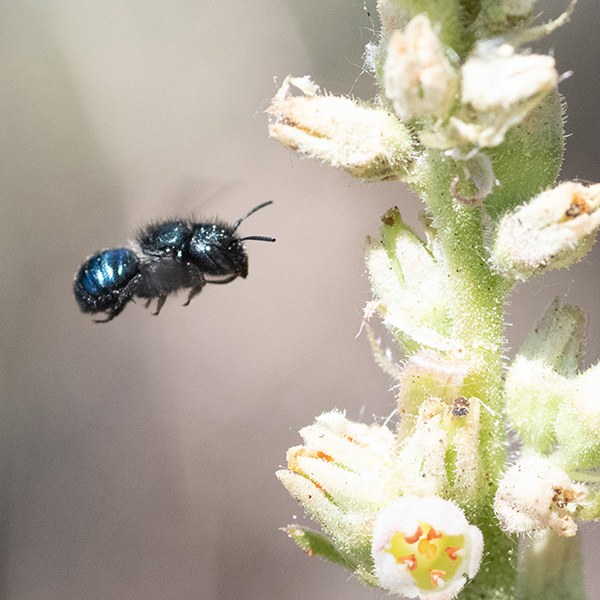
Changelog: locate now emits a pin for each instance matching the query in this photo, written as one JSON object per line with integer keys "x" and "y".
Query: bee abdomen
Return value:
{"x": 103, "y": 277}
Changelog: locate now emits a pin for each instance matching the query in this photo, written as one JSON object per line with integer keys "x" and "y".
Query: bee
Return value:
{"x": 166, "y": 257}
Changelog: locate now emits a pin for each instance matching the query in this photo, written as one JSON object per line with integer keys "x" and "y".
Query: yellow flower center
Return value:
{"x": 431, "y": 557}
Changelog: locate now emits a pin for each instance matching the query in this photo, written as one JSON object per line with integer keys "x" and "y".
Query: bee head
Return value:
{"x": 216, "y": 249}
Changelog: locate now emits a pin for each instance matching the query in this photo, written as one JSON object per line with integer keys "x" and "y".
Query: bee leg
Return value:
{"x": 125, "y": 296}
{"x": 159, "y": 304}
{"x": 193, "y": 292}
{"x": 147, "y": 303}
{"x": 109, "y": 317}
{"x": 113, "y": 312}
{"x": 197, "y": 282}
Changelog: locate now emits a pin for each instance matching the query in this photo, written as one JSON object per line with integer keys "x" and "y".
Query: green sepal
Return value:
{"x": 316, "y": 544}
{"x": 557, "y": 340}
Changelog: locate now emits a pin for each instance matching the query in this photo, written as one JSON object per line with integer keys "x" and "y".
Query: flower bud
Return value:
{"x": 553, "y": 230}
{"x": 506, "y": 85}
{"x": 499, "y": 88}
{"x": 418, "y": 78}
{"x": 535, "y": 495}
{"x": 425, "y": 548}
{"x": 422, "y": 454}
{"x": 441, "y": 452}
{"x": 342, "y": 475}
{"x": 368, "y": 142}
{"x": 344, "y": 458}
{"x": 409, "y": 286}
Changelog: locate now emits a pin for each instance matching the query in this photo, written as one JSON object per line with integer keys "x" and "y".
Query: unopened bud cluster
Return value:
{"x": 455, "y": 105}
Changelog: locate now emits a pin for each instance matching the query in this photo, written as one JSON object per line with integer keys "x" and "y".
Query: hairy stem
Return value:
{"x": 478, "y": 300}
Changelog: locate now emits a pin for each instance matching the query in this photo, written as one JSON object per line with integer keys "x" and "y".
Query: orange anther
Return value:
{"x": 317, "y": 485}
{"x": 436, "y": 575}
{"x": 451, "y": 552}
{"x": 353, "y": 440}
{"x": 578, "y": 207}
{"x": 410, "y": 561}
{"x": 411, "y": 539}
{"x": 324, "y": 456}
{"x": 433, "y": 534}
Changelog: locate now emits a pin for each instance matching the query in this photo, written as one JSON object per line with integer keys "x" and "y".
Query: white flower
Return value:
{"x": 418, "y": 78}
{"x": 368, "y": 142}
{"x": 534, "y": 495}
{"x": 425, "y": 548}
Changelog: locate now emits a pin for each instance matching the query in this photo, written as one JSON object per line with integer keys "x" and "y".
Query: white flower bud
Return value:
{"x": 418, "y": 78}
{"x": 535, "y": 495}
{"x": 425, "y": 548}
{"x": 441, "y": 452}
{"x": 342, "y": 475}
{"x": 551, "y": 231}
{"x": 368, "y": 142}
{"x": 344, "y": 458}
{"x": 495, "y": 78}
{"x": 409, "y": 286}
{"x": 499, "y": 88}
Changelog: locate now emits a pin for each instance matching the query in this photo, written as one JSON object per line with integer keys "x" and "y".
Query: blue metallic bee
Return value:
{"x": 166, "y": 257}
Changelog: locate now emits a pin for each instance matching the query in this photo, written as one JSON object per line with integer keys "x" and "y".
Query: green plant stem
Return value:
{"x": 478, "y": 299}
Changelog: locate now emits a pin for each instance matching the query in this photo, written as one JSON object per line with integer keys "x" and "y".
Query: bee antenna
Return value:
{"x": 239, "y": 221}
{"x": 258, "y": 238}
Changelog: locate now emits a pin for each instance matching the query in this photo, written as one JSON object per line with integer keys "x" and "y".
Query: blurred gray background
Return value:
{"x": 138, "y": 457}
